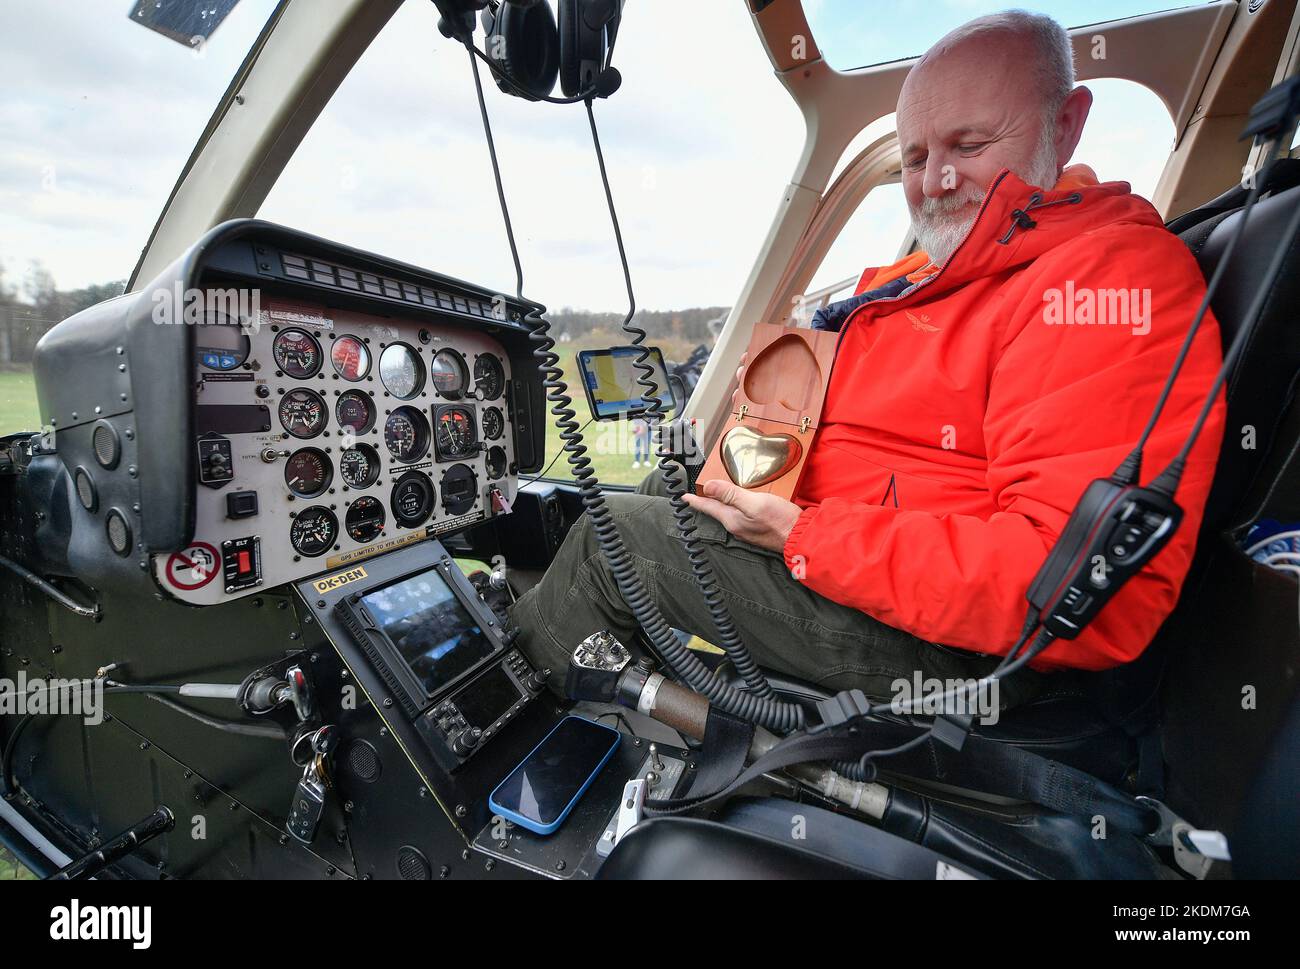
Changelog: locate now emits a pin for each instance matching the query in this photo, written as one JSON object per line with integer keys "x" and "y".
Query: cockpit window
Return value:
{"x": 99, "y": 114}
{"x": 397, "y": 164}
{"x": 852, "y": 34}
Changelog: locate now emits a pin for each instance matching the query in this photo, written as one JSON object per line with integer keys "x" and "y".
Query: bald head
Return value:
{"x": 995, "y": 93}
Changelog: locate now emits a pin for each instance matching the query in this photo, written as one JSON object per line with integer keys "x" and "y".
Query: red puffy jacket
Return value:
{"x": 965, "y": 417}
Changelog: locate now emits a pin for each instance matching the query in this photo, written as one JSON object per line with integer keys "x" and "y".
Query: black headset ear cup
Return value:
{"x": 582, "y": 48}
{"x": 524, "y": 43}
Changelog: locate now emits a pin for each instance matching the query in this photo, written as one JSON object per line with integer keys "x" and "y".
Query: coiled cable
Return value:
{"x": 774, "y": 714}
{"x": 728, "y": 637}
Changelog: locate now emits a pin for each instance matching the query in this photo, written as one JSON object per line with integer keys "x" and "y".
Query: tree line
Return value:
{"x": 29, "y": 307}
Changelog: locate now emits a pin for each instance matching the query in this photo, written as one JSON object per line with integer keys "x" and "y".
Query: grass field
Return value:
{"x": 18, "y": 411}
{"x": 11, "y": 870}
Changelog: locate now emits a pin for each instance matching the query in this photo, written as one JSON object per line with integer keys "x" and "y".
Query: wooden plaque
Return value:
{"x": 765, "y": 443}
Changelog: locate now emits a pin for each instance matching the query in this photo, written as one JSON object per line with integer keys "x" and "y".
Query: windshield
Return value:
{"x": 98, "y": 115}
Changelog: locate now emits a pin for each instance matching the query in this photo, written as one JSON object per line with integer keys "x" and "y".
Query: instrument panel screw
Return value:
{"x": 560, "y": 865}
{"x": 489, "y": 864}
{"x": 461, "y": 811}
{"x": 284, "y": 839}
{"x": 444, "y": 871}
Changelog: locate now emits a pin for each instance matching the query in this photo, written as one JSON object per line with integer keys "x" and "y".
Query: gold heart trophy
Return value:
{"x": 764, "y": 444}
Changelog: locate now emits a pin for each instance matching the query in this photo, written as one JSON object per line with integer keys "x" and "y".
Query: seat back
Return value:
{"x": 1262, "y": 384}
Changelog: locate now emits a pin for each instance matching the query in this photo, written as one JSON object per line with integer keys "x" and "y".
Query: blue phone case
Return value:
{"x": 529, "y": 823}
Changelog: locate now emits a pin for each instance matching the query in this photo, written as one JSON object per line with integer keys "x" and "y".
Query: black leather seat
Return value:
{"x": 772, "y": 838}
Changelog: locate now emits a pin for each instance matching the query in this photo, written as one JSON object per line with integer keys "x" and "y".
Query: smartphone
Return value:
{"x": 539, "y": 794}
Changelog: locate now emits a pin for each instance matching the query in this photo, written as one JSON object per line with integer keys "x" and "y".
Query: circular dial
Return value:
{"x": 459, "y": 489}
{"x": 365, "y": 519}
{"x": 308, "y": 472}
{"x": 303, "y": 413}
{"x": 412, "y": 499}
{"x": 220, "y": 343}
{"x": 314, "y": 531}
{"x": 359, "y": 466}
{"x": 297, "y": 353}
{"x": 455, "y": 433}
{"x": 493, "y": 423}
{"x": 354, "y": 411}
{"x": 401, "y": 371}
{"x": 449, "y": 375}
{"x": 496, "y": 462}
{"x": 406, "y": 434}
{"x": 350, "y": 357}
{"x": 489, "y": 378}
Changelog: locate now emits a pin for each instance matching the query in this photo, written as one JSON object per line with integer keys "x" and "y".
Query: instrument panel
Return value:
{"x": 327, "y": 435}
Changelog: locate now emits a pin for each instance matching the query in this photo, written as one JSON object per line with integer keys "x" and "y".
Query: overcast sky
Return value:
{"x": 98, "y": 115}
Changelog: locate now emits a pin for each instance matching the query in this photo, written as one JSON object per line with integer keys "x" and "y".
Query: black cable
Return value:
{"x": 154, "y": 693}
{"x": 546, "y": 470}
{"x": 502, "y": 75}
{"x": 620, "y": 719}
{"x": 728, "y": 636}
{"x": 1168, "y": 479}
{"x": 775, "y": 715}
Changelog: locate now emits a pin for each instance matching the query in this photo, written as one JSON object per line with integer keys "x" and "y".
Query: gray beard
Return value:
{"x": 938, "y": 234}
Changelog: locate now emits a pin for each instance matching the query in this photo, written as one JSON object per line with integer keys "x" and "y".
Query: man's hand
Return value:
{"x": 752, "y": 516}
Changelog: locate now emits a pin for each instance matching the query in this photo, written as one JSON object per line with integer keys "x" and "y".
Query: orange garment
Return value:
{"x": 965, "y": 417}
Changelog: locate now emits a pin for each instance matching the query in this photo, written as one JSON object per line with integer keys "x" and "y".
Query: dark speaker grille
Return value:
{"x": 363, "y": 761}
{"x": 86, "y": 490}
{"x": 412, "y": 865}
{"x": 119, "y": 532}
{"x": 104, "y": 440}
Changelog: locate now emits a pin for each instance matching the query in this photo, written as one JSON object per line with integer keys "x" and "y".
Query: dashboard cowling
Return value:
{"x": 127, "y": 370}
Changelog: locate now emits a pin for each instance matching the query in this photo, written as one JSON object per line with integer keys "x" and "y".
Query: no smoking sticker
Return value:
{"x": 193, "y": 568}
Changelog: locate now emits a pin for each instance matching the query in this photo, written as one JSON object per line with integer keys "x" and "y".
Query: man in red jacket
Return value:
{"x": 978, "y": 387}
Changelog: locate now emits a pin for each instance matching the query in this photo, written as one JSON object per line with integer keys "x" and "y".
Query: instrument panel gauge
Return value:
{"x": 455, "y": 435}
{"x": 308, "y": 472}
{"x": 350, "y": 357}
{"x": 365, "y": 519}
{"x": 355, "y": 412}
{"x": 496, "y": 462}
{"x": 412, "y": 499}
{"x": 297, "y": 353}
{"x": 221, "y": 343}
{"x": 313, "y": 531}
{"x": 359, "y": 466}
{"x": 303, "y": 413}
{"x": 401, "y": 371}
{"x": 459, "y": 489}
{"x": 406, "y": 434}
{"x": 494, "y": 424}
{"x": 449, "y": 374}
{"x": 489, "y": 377}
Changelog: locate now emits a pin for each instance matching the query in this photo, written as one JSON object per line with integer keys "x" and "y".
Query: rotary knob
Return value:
{"x": 466, "y": 741}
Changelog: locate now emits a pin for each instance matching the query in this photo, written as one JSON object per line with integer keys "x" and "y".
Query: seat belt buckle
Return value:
{"x": 1195, "y": 849}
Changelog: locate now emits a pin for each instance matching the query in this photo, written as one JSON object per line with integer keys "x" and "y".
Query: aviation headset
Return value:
{"x": 530, "y": 47}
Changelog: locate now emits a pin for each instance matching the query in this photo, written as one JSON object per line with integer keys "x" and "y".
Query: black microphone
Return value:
{"x": 607, "y": 82}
